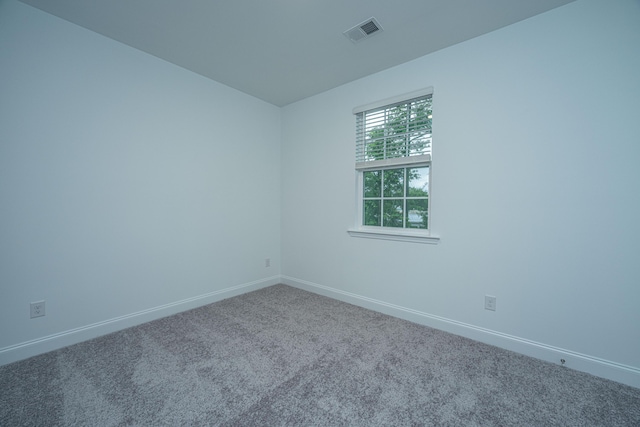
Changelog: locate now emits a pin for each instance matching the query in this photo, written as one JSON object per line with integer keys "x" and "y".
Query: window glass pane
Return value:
{"x": 371, "y": 212}
{"x": 393, "y": 213}
{"x": 417, "y": 210}
{"x": 375, "y": 144}
{"x": 421, "y": 115}
{"x": 372, "y": 183}
{"x": 418, "y": 182}
{"x": 396, "y": 129}
{"x": 396, "y": 147}
{"x": 394, "y": 183}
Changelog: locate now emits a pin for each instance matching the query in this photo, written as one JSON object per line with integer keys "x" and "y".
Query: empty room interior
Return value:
{"x": 156, "y": 159}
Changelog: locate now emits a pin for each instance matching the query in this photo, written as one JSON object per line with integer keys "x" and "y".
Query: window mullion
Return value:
{"x": 382, "y": 178}
{"x": 406, "y": 130}
{"x": 404, "y": 199}
{"x": 385, "y": 134}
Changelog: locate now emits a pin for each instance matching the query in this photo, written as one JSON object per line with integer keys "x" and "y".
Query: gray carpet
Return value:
{"x": 283, "y": 356}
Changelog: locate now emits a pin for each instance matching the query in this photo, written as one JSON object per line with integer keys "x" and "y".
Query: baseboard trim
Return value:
{"x": 59, "y": 340}
{"x": 581, "y": 362}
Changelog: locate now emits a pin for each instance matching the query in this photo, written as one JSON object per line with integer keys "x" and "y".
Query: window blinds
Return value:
{"x": 394, "y": 133}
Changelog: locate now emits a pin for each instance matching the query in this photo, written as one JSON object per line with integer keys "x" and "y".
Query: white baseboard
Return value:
{"x": 581, "y": 362}
{"x": 42, "y": 345}
{"x": 602, "y": 368}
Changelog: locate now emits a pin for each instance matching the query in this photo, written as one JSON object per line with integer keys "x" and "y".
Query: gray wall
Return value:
{"x": 534, "y": 190}
{"x": 127, "y": 184}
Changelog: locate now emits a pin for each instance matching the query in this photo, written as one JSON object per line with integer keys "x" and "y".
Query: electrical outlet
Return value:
{"x": 37, "y": 309}
{"x": 489, "y": 303}
{"x": 267, "y": 262}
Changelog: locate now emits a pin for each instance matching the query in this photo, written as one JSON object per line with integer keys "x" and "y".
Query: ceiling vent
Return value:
{"x": 363, "y": 30}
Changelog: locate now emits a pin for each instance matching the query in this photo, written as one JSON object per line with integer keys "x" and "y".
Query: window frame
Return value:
{"x": 416, "y": 235}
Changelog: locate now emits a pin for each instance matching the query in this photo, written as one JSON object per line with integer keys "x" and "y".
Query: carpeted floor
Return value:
{"x": 283, "y": 356}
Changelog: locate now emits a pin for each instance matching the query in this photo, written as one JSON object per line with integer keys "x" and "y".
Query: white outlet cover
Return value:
{"x": 37, "y": 309}
{"x": 490, "y": 302}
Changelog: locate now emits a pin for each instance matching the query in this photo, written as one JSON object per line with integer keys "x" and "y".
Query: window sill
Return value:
{"x": 390, "y": 234}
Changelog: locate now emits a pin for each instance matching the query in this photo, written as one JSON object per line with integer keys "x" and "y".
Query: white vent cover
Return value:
{"x": 363, "y": 30}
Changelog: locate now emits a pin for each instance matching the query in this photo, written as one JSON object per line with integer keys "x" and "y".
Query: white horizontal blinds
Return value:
{"x": 397, "y": 133}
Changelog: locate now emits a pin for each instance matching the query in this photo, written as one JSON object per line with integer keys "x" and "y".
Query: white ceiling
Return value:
{"x": 282, "y": 51}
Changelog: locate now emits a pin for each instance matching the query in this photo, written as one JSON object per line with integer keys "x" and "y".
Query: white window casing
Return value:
{"x": 390, "y": 134}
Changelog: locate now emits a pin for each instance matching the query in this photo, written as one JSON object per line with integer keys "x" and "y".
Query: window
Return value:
{"x": 393, "y": 165}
